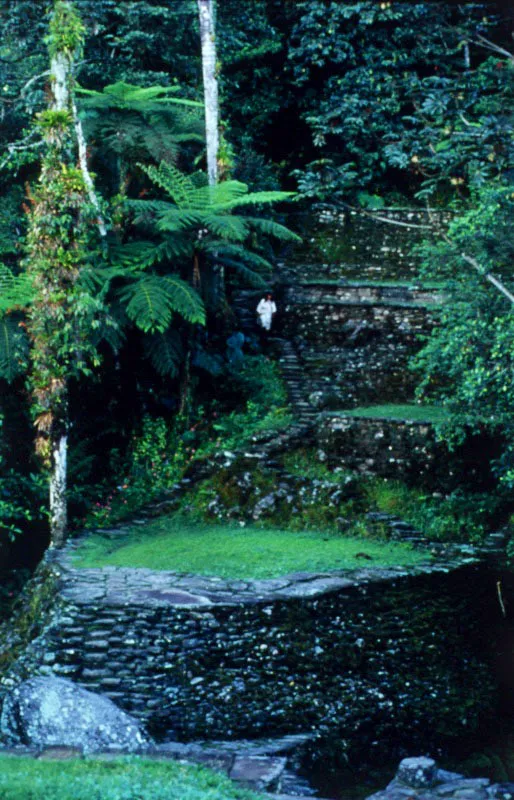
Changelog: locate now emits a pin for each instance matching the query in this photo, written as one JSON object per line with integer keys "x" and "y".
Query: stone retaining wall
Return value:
{"x": 354, "y": 246}
{"x": 402, "y": 449}
{"x": 375, "y": 656}
{"x": 336, "y": 321}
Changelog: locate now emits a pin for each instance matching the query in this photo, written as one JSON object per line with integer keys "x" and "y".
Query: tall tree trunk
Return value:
{"x": 55, "y": 254}
{"x": 210, "y": 86}
{"x": 206, "y": 10}
{"x": 60, "y": 78}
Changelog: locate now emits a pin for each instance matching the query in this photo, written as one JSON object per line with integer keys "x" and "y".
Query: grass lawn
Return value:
{"x": 120, "y": 779}
{"x": 417, "y": 413}
{"x": 229, "y": 551}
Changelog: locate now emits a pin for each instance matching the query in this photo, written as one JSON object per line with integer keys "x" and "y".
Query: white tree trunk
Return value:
{"x": 210, "y": 86}
{"x": 81, "y": 141}
{"x": 60, "y": 69}
{"x": 58, "y": 503}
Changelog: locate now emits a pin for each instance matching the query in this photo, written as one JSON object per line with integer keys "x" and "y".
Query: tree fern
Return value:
{"x": 126, "y": 96}
{"x": 152, "y": 300}
{"x": 165, "y": 351}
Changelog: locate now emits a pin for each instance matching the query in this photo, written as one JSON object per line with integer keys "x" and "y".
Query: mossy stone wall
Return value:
{"x": 397, "y": 658}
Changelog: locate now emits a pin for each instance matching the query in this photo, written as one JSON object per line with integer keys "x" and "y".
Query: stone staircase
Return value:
{"x": 294, "y": 378}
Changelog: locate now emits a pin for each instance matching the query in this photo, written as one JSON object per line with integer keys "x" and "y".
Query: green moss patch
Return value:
{"x": 231, "y": 551}
{"x": 121, "y": 779}
{"x": 400, "y": 413}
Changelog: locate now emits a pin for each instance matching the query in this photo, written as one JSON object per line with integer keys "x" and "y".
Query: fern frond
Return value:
{"x": 234, "y": 229}
{"x": 152, "y": 300}
{"x": 137, "y": 256}
{"x": 14, "y": 348}
{"x": 174, "y": 220}
{"x": 123, "y": 95}
{"x": 256, "y": 199}
{"x": 270, "y": 228}
{"x": 165, "y": 351}
{"x": 180, "y": 187}
{"x": 15, "y": 290}
{"x": 251, "y": 277}
{"x": 224, "y": 250}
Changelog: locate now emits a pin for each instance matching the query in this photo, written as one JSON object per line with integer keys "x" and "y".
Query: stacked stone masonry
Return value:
{"x": 205, "y": 658}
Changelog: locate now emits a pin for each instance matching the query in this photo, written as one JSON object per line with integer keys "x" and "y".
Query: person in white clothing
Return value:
{"x": 265, "y": 310}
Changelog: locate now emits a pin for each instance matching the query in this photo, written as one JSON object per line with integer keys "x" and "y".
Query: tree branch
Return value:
{"x": 495, "y": 48}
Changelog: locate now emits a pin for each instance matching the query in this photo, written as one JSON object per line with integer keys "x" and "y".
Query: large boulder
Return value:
{"x": 47, "y": 711}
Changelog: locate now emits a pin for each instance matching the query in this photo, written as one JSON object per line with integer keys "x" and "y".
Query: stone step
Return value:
{"x": 258, "y": 772}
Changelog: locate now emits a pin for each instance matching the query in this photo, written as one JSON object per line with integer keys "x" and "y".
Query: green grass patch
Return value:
{"x": 120, "y": 779}
{"x": 400, "y": 413}
{"x": 231, "y": 551}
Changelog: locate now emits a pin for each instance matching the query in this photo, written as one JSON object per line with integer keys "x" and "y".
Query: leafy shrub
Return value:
{"x": 455, "y": 517}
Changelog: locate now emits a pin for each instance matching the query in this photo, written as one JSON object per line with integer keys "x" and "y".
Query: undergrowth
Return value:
{"x": 161, "y": 450}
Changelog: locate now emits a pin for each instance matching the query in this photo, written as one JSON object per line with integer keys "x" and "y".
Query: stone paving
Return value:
{"x": 121, "y": 586}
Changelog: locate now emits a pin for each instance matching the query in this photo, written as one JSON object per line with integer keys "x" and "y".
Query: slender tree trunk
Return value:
{"x": 88, "y": 180}
{"x": 210, "y": 86}
{"x": 60, "y": 77}
{"x": 58, "y": 501}
{"x": 206, "y": 10}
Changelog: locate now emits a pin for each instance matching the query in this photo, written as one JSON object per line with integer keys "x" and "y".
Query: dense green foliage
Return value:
{"x": 121, "y": 779}
{"x": 467, "y": 362}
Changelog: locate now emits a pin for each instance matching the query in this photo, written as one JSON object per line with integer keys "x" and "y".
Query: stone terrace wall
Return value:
{"x": 402, "y": 449}
{"x": 313, "y": 316}
{"x": 356, "y": 340}
{"x": 353, "y": 246}
{"x": 376, "y": 656}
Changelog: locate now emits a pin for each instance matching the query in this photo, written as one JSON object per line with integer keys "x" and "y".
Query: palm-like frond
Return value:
{"x": 126, "y": 96}
{"x": 138, "y": 256}
{"x": 251, "y": 277}
{"x": 233, "y": 229}
{"x": 14, "y": 347}
{"x": 15, "y": 290}
{"x": 226, "y": 250}
{"x": 223, "y": 197}
{"x": 165, "y": 351}
{"x": 270, "y": 228}
{"x": 141, "y": 123}
{"x": 152, "y": 300}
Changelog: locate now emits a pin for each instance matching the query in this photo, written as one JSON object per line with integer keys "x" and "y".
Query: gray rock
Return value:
{"x": 266, "y": 504}
{"x": 462, "y": 785}
{"x": 49, "y": 711}
{"x": 419, "y": 772}
{"x": 258, "y": 772}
